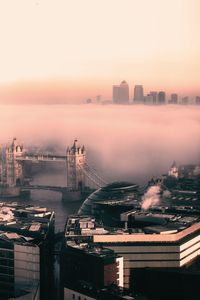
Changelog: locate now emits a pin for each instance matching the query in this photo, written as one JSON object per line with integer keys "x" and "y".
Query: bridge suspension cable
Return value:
{"x": 91, "y": 174}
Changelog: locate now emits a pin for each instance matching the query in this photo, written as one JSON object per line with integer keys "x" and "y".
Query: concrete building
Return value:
{"x": 169, "y": 283}
{"x": 26, "y": 263}
{"x": 83, "y": 291}
{"x": 155, "y": 96}
{"x": 84, "y": 262}
{"x": 93, "y": 264}
{"x": 197, "y": 100}
{"x": 121, "y": 93}
{"x": 116, "y": 94}
{"x": 185, "y": 100}
{"x": 161, "y": 97}
{"x": 138, "y": 94}
{"x": 164, "y": 239}
{"x": 149, "y": 99}
{"x": 174, "y": 99}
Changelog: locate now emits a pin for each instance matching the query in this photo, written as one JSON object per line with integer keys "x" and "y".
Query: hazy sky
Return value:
{"x": 64, "y": 49}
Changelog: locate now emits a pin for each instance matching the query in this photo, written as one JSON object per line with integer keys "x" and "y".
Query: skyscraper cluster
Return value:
{"x": 121, "y": 96}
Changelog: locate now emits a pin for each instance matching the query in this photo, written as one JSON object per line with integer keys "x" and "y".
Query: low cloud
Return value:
{"x": 123, "y": 142}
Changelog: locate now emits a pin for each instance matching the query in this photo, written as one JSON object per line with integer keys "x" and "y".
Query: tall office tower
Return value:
{"x": 155, "y": 96}
{"x": 121, "y": 93}
{"x": 161, "y": 97}
{"x": 185, "y": 100}
{"x": 116, "y": 94}
{"x": 124, "y": 92}
{"x": 174, "y": 99}
{"x": 138, "y": 94}
{"x": 148, "y": 99}
{"x": 197, "y": 100}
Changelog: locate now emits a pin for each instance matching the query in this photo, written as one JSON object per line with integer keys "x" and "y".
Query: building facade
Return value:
{"x": 26, "y": 262}
{"x": 138, "y": 94}
{"x": 121, "y": 93}
{"x": 161, "y": 97}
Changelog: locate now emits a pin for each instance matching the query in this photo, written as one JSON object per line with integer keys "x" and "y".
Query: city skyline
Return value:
{"x": 68, "y": 51}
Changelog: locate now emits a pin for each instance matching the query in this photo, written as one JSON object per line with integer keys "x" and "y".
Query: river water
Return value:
{"x": 51, "y": 200}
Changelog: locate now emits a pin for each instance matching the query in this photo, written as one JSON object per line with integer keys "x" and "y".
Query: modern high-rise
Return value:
{"x": 116, "y": 94}
{"x": 138, "y": 94}
{"x": 148, "y": 99}
{"x": 185, "y": 100}
{"x": 174, "y": 99}
{"x": 155, "y": 96}
{"x": 197, "y": 100}
{"x": 121, "y": 93}
{"x": 161, "y": 97}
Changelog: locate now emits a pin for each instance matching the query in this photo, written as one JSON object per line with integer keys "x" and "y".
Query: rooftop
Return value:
{"x": 157, "y": 224}
{"x": 23, "y": 223}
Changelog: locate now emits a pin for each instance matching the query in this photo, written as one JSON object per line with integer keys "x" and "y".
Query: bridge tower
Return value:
{"x": 76, "y": 159}
{"x": 14, "y": 172}
{"x": 173, "y": 171}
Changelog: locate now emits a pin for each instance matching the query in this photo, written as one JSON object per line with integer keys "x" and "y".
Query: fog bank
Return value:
{"x": 122, "y": 142}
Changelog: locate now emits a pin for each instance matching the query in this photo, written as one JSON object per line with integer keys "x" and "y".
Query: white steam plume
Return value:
{"x": 151, "y": 197}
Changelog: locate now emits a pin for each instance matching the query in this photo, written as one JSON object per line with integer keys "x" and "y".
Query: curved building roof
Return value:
{"x": 118, "y": 191}
{"x": 123, "y": 82}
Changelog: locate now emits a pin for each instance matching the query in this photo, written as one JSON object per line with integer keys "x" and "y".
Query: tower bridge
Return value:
{"x": 80, "y": 176}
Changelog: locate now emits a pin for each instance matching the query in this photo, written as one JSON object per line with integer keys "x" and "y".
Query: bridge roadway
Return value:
{"x": 89, "y": 172}
{"x": 45, "y": 188}
{"x": 42, "y": 157}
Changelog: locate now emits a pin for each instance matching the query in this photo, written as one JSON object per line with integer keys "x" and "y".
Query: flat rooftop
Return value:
{"x": 23, "y": 223}
{"x": 158, "y": 224}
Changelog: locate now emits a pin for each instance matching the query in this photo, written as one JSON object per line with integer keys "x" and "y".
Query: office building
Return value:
{"x": 116, "y": 192}
{"x": 155, "y": 96}
{"x": 157, "y": 238}
{"x": 83, "y": 262}
{"x": 161, "y": 97}
{"x": 185, "y": 100}
{"x": 174, "y": 99}
{"x": 148, "y": 99}
{"x": 169, "y": 283}
{"x": 197, "y": 100}
{"x": 116, "y": 94}
{"x": 121, "y": 93}
{"x": 26, "y": 263}
{"x": 138, "y": 94}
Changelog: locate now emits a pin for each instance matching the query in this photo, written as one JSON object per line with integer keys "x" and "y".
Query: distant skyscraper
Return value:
{"x": 197, "y": 100}
{"x": 155, "y": 96}
{"x": 121, "y": 93}
{"x": 174, "y": 99}
{"x": 138, "y": 94}
{"x": 161, "y": 97}
{"x": 116, "y": 93}
{"x": 185, "y": 100}
{"x": 124, "y": 92}
{"x": 148, "y": 99}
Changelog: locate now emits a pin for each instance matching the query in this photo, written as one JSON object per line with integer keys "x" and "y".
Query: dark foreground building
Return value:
{"x": 26, "y": 265}
{"x": 116, "y": 192}
{"x": 169, "y": 283}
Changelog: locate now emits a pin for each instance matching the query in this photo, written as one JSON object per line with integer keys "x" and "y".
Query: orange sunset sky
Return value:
{"x": 64, "y": 50}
